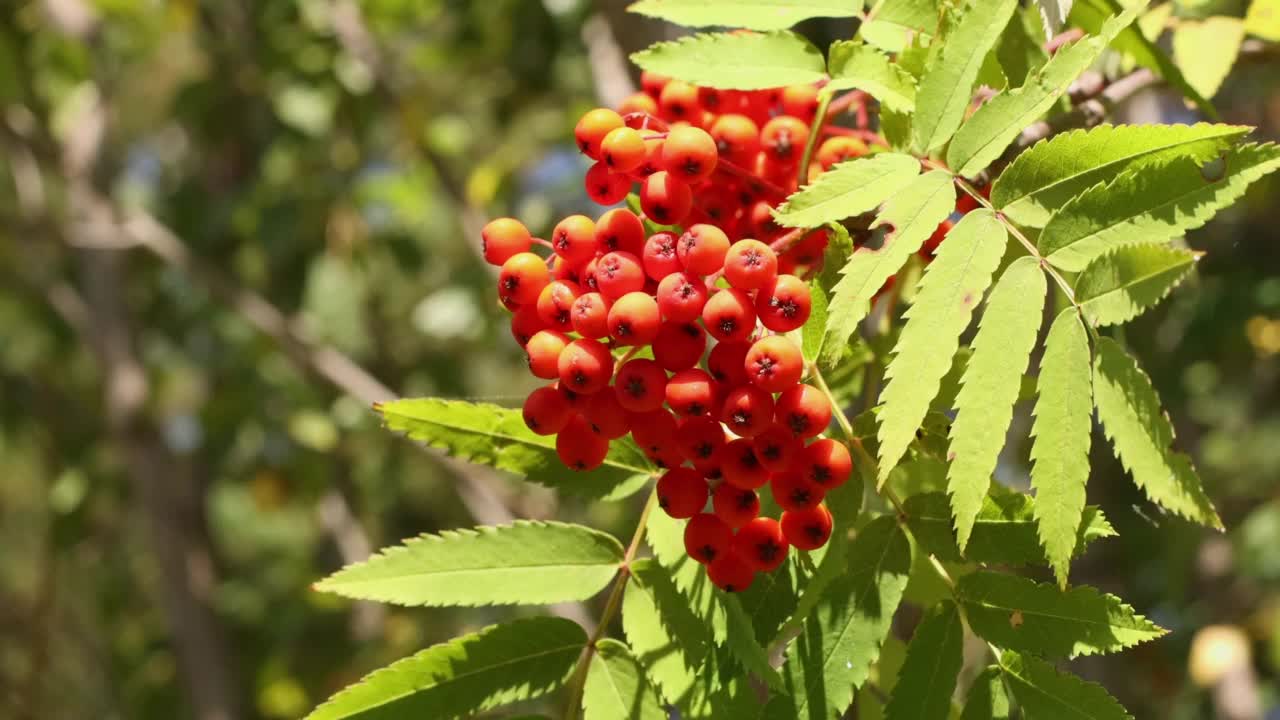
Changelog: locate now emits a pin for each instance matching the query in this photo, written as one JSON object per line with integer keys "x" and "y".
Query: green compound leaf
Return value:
{"x": 928, "y": 677}
{"x": 524, "y": 563}
{"x": 952, "y": 286}
{"x": 502, "y": 664}
{"x": 848, "y": 189}
{"x": 1061, "y": 434}
{"x": 1141, "y": 434}
{"x": 1043, "y": 693}
{"x": 814, "y": 333}
{"x": 1051, "y": 172}
{"x": 496, "y": 436}
{"x": 1004, "y": 533}
{"x": 841, "y": 638}
{"x": 986, "y": 134}
{"x": 853, "y": 64}
{"x": 1122, "y": 284}
{"x": 736, "y": 61}
{"x": 911, "y": 215}
{"x": 749, "y": 14}
{"x": 988, "y": 699}
{"x": 1151, "y": 204}
{"x": 947, "y": 85}
{"x": 989, "y": 387}
{"x": 670, "y": 642}
{"x": 1206, "y": 49}
{"x": 617, "y": 688}
{"x": 1016, "y": 613}
{"x": 891, "y": 23}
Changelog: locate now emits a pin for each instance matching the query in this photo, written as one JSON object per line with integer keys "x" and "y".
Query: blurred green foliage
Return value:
{"x": 333, "y": 157}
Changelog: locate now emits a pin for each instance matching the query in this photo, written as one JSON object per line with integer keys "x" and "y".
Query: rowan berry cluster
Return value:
{"x": 677, "y": 335}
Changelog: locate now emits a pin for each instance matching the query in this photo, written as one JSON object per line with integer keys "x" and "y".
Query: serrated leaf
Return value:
{"x": 1053, "y": 13}
{"x": 1122, "y": 284}
{"x": 1206, "y": 49}
{"x": 1151, "y": 204}
{"x": 1017, "y": 613}
{"x": 947, "y": 85}
{"x": 813, "y": 334}
{"x": 1091, "y": 15}
{"x": 989, "y": 387}
{"x": 664, "y": 635}
{"x": 772, "y": 598}
{"x": 741, "y": 641}
{"x": 1061, "y": 434}
{"x": 951, "y": 288}
{"x": 912, "y": 214}
{"x": 987, "y": 699}
{"x": 986, "y": 134}
{"x": 891, "y": 23}
{"x": 1141, "y": 434}
{"x": 1263, "y": 19}
{"x": 1043, "y": 693}
{"x": 749, "y": 14}
{"x": 733, "y": 61}
{"x": 666, "y": 538}
{"x": 843, "y": 634}
{"x": 525, "y": 563}
{"x": 853, "y": 64}
{"x": 1004, "y": 532}
{"x": 496, "y": 436}
{"x": 848, "y": 189}
{"x": 1020, "y": 50}
{"x": 616, "y": 687}
{"x": 1051, "y": 172}
{"x": 501, "y": 664}
{"x": 928, "y": 677}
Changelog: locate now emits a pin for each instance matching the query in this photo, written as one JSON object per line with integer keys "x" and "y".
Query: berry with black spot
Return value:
{"x": 542, "y": 353}
{"x": 546, "y": 411}
{"x": 679, "y": 346}
{"x": 692, "y": 392}
{"x": 777, "y": 447}
{"x": 774, "y": 363}
{"x": 793, "y": 491}
{"x": 706, "y": 537}
{"x": 502, "y": 238}
{"x": 640, "y": 385}
{"x": 585, "y": 366}
{"x": 681, "y": 297}
{"x": 762, "y": 543}
{"x": 665, "y": 198}
{"x": 634, "y": 319}
{"x": 784, "y": 303}
{"x": 592, "y": 129}
{"x": 826, "y": 462}
{"x": 747, "y": 410}
{"x": 578, "y": 447}
{"x": 750, "y": 264}
{"x": 731, "y": 572}
{"x": 521, "y": 278}
{"x": 729, "y": 315}
{"x": 740, "y": 466}
{"x": 807, "y": 529}
{"x": 589, "y": 315}
{"x": 803, "y": 410}
{"x": 682, "y": 492}
{"x": 734, "y": 505}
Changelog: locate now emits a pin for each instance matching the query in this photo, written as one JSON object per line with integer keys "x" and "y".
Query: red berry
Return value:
{"x": 803, "y": 410}
{"x": 622, "y": 150}
{"x": 577, "y": 401}
{"x": 522, "y": 277}
{"x": 800, "y": 101}
{"x": 574, "y": 239}
{"x": 727, "y": 363}
{"x": 740, "y": 466}
{"x": 826, "y": 463}
{"x": 783, "y": 139}
{"x": 689, "y": 153}
{"x": 654, "y": 432}
{"x": 604, "y": 186}
{"x": 729, "y": 315}
{"x": 737, "y": 138}
{"x": 836, "y": 150}
{"x": 747, "y": 411}
{"x": 706, "y": 537}
{"x": 682, "y": 492}
{"x": 750, "y": 264}
{"x": 691, "y": 392}
{"x": 634, "y": 319}
{"x": 641, "y": 385}
{"x": 731, "y": 572}
{"x": 734, "y": 505}
{"x": 652, "y": 159}
{"x": 585, "y": 366}
{"x": 592, "y": 129}
{"x": 566, "y": 271}
{"x": 578, "y": 447}
{"x": 698, "y": 439}
{"x": 681, "y": 297}
{"x": 774, "y": 363}
{"x": 777, "y": 448}
{"x": 807, "y": 529}
{"x": 546, "y": 411}
{"x": 652, "y": 83}
{"x": 638, "y": 103}
{"x": 783, "y": 304}
{"x": 620, "y": 229}
{"x": 761, "y": 219}
{"x": 502, "y": 238}
{"x": 555, "y": 304}
{"x": 702, "y": 249}
{"x": 619, "y": 273}
{"x": 679, "y": 346}
{"x": 678, "y": 100}
{"x": 607, "y": 416}
{"x": 660, "y": 258}
{"x": 792, "y": 491}
{"x": 525, "y": 323}
{"x": 762, "y": 543}
{"x": 589, "y": 315}
{"x": 665, "y": 198}
{"x": 543, "y": 353}
{"x": 965, "y": 203}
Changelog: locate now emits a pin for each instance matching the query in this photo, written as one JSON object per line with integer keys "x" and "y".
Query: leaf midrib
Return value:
{"x": 463, "y": 571}
{"x": 1188, "y": 261}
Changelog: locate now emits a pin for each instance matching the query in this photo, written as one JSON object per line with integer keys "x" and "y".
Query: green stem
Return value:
{"x": 611, "y": 607}
{"x": 824, "y": 101}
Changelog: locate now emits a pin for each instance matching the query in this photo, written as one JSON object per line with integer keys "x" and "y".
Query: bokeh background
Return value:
{"x": 227, "y": 227}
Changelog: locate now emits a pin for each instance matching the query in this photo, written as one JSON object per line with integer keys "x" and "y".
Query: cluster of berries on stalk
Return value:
{"x": 677, "y": 335}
